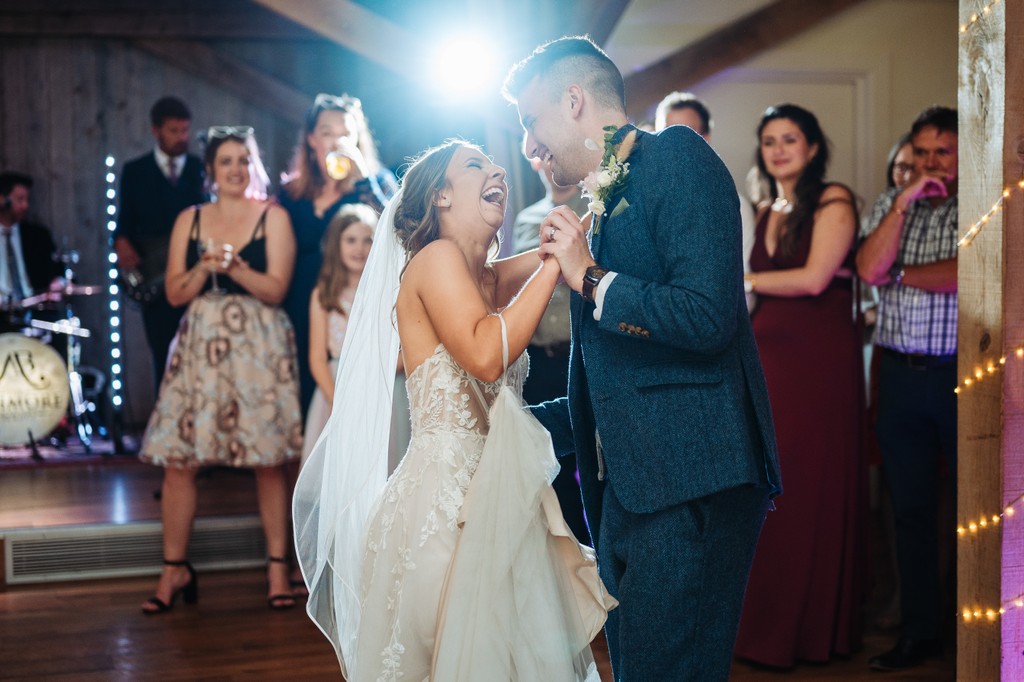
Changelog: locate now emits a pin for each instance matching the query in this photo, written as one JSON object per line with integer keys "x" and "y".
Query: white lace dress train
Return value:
{"x": 416, "y": 565}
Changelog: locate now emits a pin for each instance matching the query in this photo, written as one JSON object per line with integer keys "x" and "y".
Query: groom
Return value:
{"x": 666, "y": 409}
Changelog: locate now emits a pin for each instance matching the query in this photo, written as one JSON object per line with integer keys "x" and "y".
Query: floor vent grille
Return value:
{"x": 108, "y": 551}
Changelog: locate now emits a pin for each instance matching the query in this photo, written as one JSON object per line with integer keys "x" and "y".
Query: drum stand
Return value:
{"x": 80, "y": 407}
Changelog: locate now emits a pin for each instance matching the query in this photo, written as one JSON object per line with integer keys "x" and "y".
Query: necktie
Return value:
{"x": 172, "y": 172}
{"x": 12, "y": 269}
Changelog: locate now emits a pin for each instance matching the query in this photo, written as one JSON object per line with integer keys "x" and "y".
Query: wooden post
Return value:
{"x": 990, "y": 558}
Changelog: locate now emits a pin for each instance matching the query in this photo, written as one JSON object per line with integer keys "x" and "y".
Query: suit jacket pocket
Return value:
{"x": 673, "y": 373}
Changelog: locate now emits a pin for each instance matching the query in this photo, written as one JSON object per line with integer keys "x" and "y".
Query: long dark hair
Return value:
{"x": 304, "y": 179}
{"x": 243, "y": 135}
{"x": 812, "y": 180}
{"x": 417, "y": 222}
{"x": 416, "y": 219}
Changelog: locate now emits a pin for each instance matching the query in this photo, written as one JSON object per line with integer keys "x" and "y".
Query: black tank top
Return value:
{"x": 254, "y": 253}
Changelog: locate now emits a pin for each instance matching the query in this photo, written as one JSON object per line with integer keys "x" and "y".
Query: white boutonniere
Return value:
{"x": 608, "y": 177}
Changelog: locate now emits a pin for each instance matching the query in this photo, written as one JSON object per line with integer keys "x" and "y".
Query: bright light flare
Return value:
{"x": 466, "y": 67}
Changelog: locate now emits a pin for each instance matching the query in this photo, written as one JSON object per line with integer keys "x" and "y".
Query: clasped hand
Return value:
{"x": 925, "y": 187}
{"x": 564, "y": 236}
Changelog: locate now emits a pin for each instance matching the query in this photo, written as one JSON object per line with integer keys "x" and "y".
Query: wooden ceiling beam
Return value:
{"x": 353, "y": 27}
{"x": 602, "y": 18}
{"x": 230, "y": 74}
{"x": 756, "y": 32}
{"x": 182, "y": 20}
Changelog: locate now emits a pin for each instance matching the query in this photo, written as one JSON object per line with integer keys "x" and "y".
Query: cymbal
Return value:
{"x": 70, "y": 327}
{"x": 82, "y": 289}
{"x": 58, "y": 295}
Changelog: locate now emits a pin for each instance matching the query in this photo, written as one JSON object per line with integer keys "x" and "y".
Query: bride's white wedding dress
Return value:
{"x": 459, "y": 567}
{"x": 514, "y": 604}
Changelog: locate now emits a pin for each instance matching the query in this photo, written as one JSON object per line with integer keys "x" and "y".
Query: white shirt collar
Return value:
{"x": 162, "y": 158}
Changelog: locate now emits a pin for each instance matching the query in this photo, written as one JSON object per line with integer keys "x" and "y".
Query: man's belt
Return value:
{"x": 919, "y": 360}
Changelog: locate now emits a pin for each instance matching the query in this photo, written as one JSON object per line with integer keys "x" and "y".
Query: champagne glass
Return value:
{"x": 210, "y": 248}
{"x": 338, "y": 165}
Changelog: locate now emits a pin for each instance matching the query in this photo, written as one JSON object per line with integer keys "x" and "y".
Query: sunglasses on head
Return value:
{"x": 325, "y": 101}
{"x": 229, "y": 131}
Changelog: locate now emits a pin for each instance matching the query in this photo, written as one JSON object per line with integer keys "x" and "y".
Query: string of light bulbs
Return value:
{"x": 978, "y": 614}
{"x": 115, "y": 299}
{"x": 981, "y": 222}
{"x": 971, "y": 529}
{"x": 989, "y": 521}
{"x": 977, "y": 16}
{"x": 991, "y": 367}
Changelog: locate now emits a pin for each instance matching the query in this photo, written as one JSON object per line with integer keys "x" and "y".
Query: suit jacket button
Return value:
{"x": 646, "y": 334}
{"x": 622, "y": 326}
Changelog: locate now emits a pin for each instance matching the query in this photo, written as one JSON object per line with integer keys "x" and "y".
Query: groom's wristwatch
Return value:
{"x": 591, "y": 278}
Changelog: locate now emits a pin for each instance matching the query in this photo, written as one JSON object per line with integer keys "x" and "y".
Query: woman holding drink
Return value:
{"x": 229, "y": 396}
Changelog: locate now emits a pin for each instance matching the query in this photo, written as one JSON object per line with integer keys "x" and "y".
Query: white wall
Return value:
{"x": 865, "y": 73}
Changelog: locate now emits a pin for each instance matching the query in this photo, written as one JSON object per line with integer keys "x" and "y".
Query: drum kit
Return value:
{"x": 39, "y": 387}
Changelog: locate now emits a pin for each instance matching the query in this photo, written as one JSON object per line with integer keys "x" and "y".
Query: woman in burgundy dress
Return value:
{"x": 803, "y": 601}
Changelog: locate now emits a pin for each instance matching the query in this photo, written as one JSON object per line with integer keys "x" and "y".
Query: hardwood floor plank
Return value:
{"x": 93, "y": 631}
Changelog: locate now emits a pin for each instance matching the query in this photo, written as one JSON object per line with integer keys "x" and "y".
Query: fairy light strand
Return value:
{"x": 974, "y": 527}
{"x": 978, "y": 16}
{"x": 987, "y": 369}
{"x": 981, "y": 222}
{"x": 979, "y": 614}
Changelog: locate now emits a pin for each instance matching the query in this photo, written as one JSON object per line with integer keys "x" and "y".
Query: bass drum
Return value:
{"x": 34, "y": 389}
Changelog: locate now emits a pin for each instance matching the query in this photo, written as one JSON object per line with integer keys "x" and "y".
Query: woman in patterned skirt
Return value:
{"x": 230, "y": 395}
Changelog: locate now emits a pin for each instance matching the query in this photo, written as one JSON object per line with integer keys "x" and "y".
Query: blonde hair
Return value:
{"x": 334, "y": 276}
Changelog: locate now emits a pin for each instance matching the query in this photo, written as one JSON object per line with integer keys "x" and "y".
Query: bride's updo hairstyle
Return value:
{"x": 416, "y": 219}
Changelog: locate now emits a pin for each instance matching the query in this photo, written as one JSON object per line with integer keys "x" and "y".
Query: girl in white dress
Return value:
{"x": 346, "y": 246}
{"x": 459, "y": 567}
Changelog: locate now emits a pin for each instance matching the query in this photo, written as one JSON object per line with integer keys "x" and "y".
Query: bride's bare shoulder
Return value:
{"x": 438, "y": 257}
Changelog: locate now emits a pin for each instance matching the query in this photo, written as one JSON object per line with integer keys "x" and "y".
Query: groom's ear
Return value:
{"x": 574, "y": 96}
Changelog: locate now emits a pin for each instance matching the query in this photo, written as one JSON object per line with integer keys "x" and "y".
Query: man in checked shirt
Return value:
{"x": 909, "y": 252}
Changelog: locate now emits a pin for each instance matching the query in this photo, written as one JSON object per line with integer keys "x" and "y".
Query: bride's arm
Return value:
{"x": 512, "y": 273}
{"x": 458, "y": 315}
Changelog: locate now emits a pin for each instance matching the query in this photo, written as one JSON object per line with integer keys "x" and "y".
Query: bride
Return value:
{"x": 459, "y": 566}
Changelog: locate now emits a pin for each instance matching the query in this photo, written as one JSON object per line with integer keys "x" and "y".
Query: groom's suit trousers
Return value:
{"x": 706, "y": 547}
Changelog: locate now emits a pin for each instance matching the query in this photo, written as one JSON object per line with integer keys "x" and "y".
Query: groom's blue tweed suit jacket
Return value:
{"x": 670, "y": 375}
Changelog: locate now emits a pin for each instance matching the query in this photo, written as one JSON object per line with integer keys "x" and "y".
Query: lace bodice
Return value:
{"x": 441, "y": 393}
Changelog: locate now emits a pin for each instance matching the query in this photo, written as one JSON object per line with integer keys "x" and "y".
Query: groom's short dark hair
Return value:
{"x": 571, "y": 59}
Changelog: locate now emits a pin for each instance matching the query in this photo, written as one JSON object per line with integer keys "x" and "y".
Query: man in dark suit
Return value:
{"x": 667, "y": 408}
{"x": 155, "y": 188}
{"x": 27, "y": 265}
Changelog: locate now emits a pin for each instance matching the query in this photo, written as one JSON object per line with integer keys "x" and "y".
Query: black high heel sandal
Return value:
{"x": 279, "y": 602}
{"x": 189, "y": 591}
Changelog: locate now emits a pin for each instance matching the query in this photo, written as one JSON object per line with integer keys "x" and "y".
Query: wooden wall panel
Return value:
{"x": 70, "y": 102}
{"x": 991, "y": 326}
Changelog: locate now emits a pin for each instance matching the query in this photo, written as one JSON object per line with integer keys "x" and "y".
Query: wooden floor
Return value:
{"x": 94, "y": 630}
{"x": 115, "y": 490}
